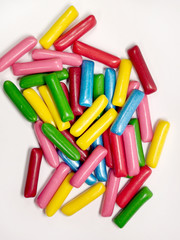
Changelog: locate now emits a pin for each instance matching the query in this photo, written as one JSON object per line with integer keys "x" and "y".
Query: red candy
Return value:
{"x": 107, "y": 145}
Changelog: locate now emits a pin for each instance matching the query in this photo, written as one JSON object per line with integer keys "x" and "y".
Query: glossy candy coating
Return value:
{"x": 132, "y": 85}
{"x": 126, "y": 112}
{"x": 126, "y": 214}
{"x": 107, "y": 145}
{"x": 157, "y": 143}
{"x": 59, "y": 27}
{"x": 19, "y": 101}
{"x": 68, "y": 38}
{"x": 96, "y": 54}
{"x": 83, "y": 199}
{"x": 142, "y": 70}
{"x": 109, "y": 86}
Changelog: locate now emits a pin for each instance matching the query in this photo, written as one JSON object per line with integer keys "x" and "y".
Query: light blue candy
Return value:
{"x": 75, "y": 165}
{"x": 126, "y": 112}
{"x": 100, "y": 171}
{"x": 109, "y": 86}
{"x": 87, "y": 78}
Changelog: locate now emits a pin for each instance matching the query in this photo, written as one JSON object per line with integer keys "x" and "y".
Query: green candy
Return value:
{"x": 38, "y": 79}
{"x": 59, "y": 97}
{"x": 125, "y": 215}
{"x": 134, "y": 122}
{"x": 19, "y": 101}
{"x": 60, "y": 141}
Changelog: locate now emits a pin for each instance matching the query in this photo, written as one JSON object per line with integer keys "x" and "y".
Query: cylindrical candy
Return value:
{"x": 83, "y": 199}
{"x": 19, "y": 101}
{"x": 75, "y": 33}
{"x": 109, "y": 86}
{"x": 132, "y": 85}
{"x": 107, "y": 145}
{"x": 142, "y": 70}
{"x": 59, "y": 27}
{"x": 33, "y": 173}
{"x": 157, "y": 143}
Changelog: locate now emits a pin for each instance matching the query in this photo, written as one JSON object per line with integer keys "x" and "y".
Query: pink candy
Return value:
{"x": 132, "y": 85}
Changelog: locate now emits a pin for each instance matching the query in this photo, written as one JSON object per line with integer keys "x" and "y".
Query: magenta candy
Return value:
{"x": 132, "y": 85}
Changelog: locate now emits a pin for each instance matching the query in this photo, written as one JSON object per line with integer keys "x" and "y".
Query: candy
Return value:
{"x": 122, "y": 83}
{"x": 33, "y": 173}
{"x": 142, "y": 70}
{"x": 41, "y": 66}
{"x": 132, "y": 187}
{"x": 59, "y": 97}
{"x": 107, "y": 145}
{"x": 96, "y": 54}
{"x": 17, "y": 52}
{"x": 67, "y": 58}
{"x": 88, "y": 117}
{"x": 75, "y": 33}
{"x": 47, "y": 147}
{"x": 88, "y": 166}
{"x": 86, "y": 88}
{"x": 157, "y": 143}
{"x": 129, "y": 140}
{"x": 59, "y": 27}
{"x": 109, "y": 86}
{"x": 38, "y": 105}
{"x": 144, "y": 119}
{"x": 83, "y": 199}
{"x": 60, "y": 196}
{"x": 19, "y": 101}
{"x": 97, "y": 129}
{"x": 51, "y": 187}
{"x": 132, "y": 85}
{"x": 126, "y": 214}
{"x": 126, "y": 112}
{"x": 60, "y": 141}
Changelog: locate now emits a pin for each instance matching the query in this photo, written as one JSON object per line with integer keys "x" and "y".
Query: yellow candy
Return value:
{"x": 60, "y": 196}
{"x": 89, "y": 116}
{"x": 97, "y": 129}
{"x": 157, "y": 143}
{"x": 59, "y": 27}
{"x": 38, "y": 105}
{"x": 122, "y": 83}
{"x": 46, "y": 95}
{"x": 83, "y": 199}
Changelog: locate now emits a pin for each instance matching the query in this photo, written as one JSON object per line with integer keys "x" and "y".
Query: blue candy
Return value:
{"x": 109, "y": 86}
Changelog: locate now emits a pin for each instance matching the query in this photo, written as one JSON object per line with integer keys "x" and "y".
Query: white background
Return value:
{"x": 154, "y": 26}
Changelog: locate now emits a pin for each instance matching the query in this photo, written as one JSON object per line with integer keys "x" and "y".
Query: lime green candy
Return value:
{"x": 98, "y": 88}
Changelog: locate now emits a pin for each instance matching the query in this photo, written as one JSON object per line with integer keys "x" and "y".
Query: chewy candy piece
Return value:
{"x": 19, "y": 101}
{"x": 96, "y": 54}
{"x": 132, "y": 85}
{"x": 122, "y": 83}
{"x": 59, "y": 97}
{"x": 157, "y": 143}
{"x": 132, "y": 187}
{"x": 142, "y": 70}
{"x": 51, "y": 187}
{"x": 107, "y": 145}
{"x": 41, "y": 66}
{"x": 97, "y": 129}
{"x": 126, "y": 112}
{"x": 59, "y": 27}
{"x": 131, "y": 151}
{"x": 83, "y": 199}
{"x": 126, "y": 214}
{"x": 68, "y": 38}
{"x": 118, "y": 155}
{"x": 16, "y": 52}
{"x": 47, "y": 147}
{"x": 89, "y": 116}
{"x": 60, "y": 141}
{"x": 38, "y": 79}
{"x": 38, "y": 105}
{"x": 109, "y": 86}
{"x": 75, "y": 165}
{"x": 60, "y": 196}
{"x": 47, "y": 97}
{"x": 100, "y": 170}
{"x": 135, "y": 124}
{"x": 67, "y": 58}
{"x": 88, "y": 166}
{"x": 109, "y": 198}
{"x": 144, "y": 119}
{"x": 33, "y": 173}
{"x": 86, "y": 87}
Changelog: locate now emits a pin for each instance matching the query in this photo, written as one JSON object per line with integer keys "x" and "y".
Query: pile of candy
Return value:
{"x": 98, "y": 112}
